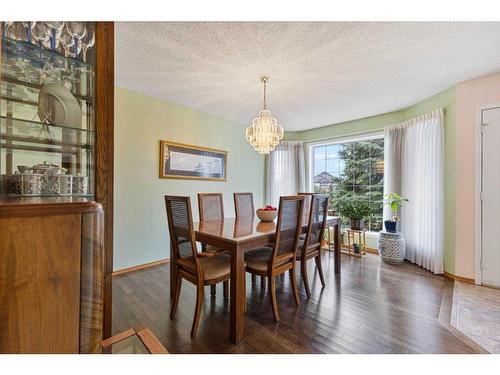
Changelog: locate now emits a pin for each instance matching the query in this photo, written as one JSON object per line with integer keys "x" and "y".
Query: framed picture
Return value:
{"x": 192, "y": 162}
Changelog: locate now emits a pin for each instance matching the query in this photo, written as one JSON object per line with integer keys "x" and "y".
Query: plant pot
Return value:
{"x": 390, "y": 226}
{"x": 356, "y": 224}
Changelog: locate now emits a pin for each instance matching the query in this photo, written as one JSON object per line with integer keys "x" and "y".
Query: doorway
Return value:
{"x": 488, "y": 215}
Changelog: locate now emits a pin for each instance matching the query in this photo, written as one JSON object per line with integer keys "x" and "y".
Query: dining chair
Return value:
{"x": 310, "y": 247}
{"x": 196, "y": 267}
{"x": 271, "y": 262}
{"x": 243, "y": 204}
{"x": 211, "y": 207}
{"x": 244, "y": 208}
{"x": 307, "y": 207}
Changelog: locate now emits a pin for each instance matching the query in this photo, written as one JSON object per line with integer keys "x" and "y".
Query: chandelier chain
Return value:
{"x": 265, "y": 93}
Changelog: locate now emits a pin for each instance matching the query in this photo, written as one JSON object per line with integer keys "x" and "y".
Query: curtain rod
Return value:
{"x": 438, "y": 112}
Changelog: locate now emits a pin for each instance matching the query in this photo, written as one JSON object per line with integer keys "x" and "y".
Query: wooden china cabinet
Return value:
{"x": 56, "y": 186}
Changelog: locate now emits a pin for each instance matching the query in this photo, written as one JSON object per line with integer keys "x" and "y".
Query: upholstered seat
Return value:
{"x": 212, "y": 249}
{"x": 214, "y": 268}
{"x": 310, "y": 252}
{"x": 258, "y": 260}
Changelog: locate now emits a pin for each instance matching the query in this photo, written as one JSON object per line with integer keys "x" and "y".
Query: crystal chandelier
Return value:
{"x": 265, "y": 133}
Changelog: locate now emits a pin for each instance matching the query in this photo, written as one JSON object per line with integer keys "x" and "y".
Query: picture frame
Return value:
{"x": 183, "y": 161}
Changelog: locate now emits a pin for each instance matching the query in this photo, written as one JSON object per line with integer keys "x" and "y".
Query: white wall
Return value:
{"x": 141, "y": 233}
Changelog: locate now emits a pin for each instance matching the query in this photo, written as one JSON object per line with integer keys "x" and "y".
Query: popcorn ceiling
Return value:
{"x": 320, "y": 72}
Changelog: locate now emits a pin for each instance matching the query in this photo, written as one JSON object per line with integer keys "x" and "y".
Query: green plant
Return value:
{"x": 354, "y": 208}
{"x": 394, "y": 201}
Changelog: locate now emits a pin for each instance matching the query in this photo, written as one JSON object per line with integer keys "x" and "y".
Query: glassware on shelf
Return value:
{"x": 29, "y": 25}
{"x": 55, "y": 29}
{"x": 78, "y": 31}
{"x": 87, "y": 42}
{"x": 40, "y": 34}
{"x": 66, "y": 41}
{"x": 15, "y": 30}
{"x": 34, "y": 57}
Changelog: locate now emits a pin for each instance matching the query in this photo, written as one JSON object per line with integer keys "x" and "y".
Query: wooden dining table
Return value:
{"x": 238, "y": 236}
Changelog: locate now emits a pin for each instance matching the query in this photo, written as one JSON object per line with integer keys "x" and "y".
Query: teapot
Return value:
{"x": 41, "y": 168}
{"x": 55, "y": 170}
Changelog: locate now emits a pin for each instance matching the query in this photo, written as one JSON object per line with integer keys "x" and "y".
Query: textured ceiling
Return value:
{"x": 320, "y": 72}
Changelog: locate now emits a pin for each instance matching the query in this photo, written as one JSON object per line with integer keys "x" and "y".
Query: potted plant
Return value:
{"x": 354, "y": 209}
{"x": 394, "y": 201}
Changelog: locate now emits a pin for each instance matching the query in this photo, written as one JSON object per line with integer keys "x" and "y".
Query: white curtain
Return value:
{"x": 414, "y": 168}
{"x": 285, "y": 171}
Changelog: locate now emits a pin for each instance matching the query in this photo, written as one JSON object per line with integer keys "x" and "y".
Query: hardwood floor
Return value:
{"x": 372, "y": 308}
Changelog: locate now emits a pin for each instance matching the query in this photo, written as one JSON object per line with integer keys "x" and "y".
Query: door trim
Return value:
{"x": 478, "y": 181}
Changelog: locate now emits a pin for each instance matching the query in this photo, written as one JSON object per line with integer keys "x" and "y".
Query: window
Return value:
{"x": 351, "y": 168}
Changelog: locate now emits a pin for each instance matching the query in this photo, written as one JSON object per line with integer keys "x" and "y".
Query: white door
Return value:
{"x": 490, "y": 202}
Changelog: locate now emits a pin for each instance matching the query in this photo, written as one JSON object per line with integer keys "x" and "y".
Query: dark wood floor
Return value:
{"x": 372, "y": 308}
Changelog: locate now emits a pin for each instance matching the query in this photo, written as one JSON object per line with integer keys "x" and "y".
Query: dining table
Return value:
{"x": 237, "y": 236}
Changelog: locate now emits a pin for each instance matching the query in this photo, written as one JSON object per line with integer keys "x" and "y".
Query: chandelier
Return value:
{"x": 265, "y": 133}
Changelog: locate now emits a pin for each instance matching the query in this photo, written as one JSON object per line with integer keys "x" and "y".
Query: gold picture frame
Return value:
{"x": 189, "y": 162}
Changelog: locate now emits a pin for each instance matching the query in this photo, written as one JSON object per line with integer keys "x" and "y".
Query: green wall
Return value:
{"x": 444, "y": 99}
{"x": 141, "y": 121}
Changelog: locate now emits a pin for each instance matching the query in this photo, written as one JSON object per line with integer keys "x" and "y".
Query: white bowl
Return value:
{"x": 264, "y": 215}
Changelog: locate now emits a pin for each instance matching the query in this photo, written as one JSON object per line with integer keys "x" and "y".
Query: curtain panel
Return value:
{"x": 414, "y": 168}
{"x": 285, "y": 171}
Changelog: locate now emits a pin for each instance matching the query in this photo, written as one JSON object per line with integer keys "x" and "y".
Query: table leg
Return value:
{"x": 237, "y": 303}
{"x": 336, "y": 246}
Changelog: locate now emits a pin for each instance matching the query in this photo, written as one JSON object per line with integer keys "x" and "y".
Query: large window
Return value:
{"x": 351, "y": 168}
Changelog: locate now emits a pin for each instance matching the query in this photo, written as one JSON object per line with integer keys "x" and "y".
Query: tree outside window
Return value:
{"x": 352, "y": 169}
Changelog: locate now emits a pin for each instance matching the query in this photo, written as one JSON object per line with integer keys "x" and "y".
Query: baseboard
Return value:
{"x": 140, "y": 267}
{"x": 459, "y": 278}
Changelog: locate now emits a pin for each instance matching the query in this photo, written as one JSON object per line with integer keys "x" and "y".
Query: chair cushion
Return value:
{"x": 258, "y": 259}
{"x": 213, "y": 267}
{"x": 212, "y": 249}
{"x": 311, "y": 249}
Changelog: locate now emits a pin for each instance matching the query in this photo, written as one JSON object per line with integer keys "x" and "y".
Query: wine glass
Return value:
{"x": 78, "y": 31}
{"x": 28, "y": 25}
{"x": 55, "y": 29}
{"x": 87, "y": 42}
{"x": 66, "y": 41}
{"x": 40, "y": 33}
{"x": 14, "y": 30}
{"x": 6, "y": 25}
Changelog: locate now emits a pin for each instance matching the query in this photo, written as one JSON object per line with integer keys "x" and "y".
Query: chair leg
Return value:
{"x": 320, "y": 269}
{"x": 212, "y": 290}
{"x": 272, "y": 296}
{"x": 254, "y": 279}
{"x": 293, "y": 280}
{"x": 245, "y": 293}
{"x": 303, "y": 272}
{"x": 200, "y": 291}
{"x": 225, "y": 286}
{"x": 177, "y": 293}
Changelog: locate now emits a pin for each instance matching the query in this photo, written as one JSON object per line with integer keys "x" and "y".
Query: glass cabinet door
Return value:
{"x": 47, "y": 119}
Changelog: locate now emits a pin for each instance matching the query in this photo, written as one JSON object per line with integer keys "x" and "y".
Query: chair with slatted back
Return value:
{"x": 271, "y": 262}
{"x": 196, "y": 267}
{"x": 211, "y": 207}
{"x": 310, "y": 247}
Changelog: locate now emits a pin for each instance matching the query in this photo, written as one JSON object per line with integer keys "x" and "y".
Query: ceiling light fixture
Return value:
{"x": 265, "y": 133}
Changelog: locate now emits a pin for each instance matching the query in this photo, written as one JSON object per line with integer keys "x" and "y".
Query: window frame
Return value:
{"x": 334, "y": 141}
